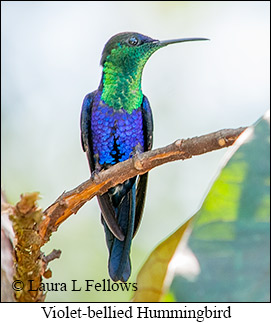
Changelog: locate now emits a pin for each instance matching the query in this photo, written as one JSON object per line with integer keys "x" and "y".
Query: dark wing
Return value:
{"x": 147, "y": 124}
{"x": 86, "y": 138}
{"x": 143, "y": 179}
{"x": 85, "y": 124}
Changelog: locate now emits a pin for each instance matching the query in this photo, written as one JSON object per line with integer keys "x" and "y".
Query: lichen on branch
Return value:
{"x": 30, "y": 264}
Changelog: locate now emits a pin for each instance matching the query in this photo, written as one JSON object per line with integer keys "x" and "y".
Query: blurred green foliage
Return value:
{"x": 231, "y": 234}
{"x": 222, "y": 254}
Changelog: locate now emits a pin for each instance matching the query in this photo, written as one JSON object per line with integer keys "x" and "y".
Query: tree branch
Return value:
{"x": 70, "y": 202}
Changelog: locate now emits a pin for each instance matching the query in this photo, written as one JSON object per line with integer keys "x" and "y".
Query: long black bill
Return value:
{"x": 180, "y": 40}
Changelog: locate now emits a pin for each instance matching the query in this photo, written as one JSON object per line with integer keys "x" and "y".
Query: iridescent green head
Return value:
{"x": 123, "y": 59}
{"x": 128, "y": 46}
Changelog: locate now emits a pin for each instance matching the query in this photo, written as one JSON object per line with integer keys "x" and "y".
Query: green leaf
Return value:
{"x": 223, "y": 252}
{"x": 231, "y": 233}
{"x": 152, "y": 276}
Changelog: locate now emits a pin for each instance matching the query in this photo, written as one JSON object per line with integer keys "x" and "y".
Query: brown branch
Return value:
{"x": 33, "y": 228}
{"x": 53, "y": 255}
{"x": 30, "y": 265}
{"x": 70, "y": 202}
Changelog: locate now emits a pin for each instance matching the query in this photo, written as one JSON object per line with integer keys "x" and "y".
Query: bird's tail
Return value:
{"x": 119, "y": 264}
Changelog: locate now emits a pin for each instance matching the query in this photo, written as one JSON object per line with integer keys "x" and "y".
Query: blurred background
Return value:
{"x": 50, "y": 61}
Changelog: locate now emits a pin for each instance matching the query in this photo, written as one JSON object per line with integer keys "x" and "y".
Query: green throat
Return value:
{"x": 122, "y": 74}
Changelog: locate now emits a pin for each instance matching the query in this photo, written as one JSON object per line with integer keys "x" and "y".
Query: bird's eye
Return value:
{"x": 133, "y": 41}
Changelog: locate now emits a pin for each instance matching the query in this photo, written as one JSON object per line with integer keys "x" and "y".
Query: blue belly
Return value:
{"x": 116, "y": 134}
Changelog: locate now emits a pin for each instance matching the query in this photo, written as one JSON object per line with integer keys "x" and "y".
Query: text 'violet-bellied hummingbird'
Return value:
{"x": 116, "y": 123}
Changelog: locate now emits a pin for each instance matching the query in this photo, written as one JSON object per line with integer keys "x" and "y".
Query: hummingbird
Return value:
{"x": 116, "y": 124}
